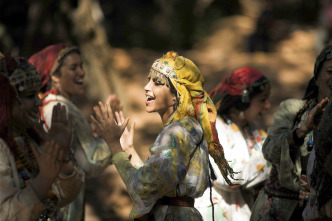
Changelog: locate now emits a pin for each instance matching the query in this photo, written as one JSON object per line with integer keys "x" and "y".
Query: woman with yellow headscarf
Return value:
{"x": 164, "y": 187}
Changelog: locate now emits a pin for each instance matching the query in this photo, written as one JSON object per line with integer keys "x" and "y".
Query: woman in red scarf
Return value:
{"x": 241, "y": 99}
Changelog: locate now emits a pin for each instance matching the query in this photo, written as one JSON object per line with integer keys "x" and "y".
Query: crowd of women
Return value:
{"x": 211, "y": 161}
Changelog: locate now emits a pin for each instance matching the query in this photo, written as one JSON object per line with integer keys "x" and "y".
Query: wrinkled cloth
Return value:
{"x": 18, "y": 204}
{"x": 311, "y": 210}
{"x": 92, "y": 154}
{"x": 284, "y": 183}
{"x": 178, "y": 166}
{"x": 245, "y": 156}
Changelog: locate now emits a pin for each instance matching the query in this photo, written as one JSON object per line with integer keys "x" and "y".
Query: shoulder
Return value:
{"x": 4, "y": 151}
{"x": 291, "y": 105}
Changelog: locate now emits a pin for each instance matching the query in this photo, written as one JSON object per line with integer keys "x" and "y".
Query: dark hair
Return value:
{"x": 230, "y": 101}
{"x": 311, "y": 91}
{"x": 71, "y": 50}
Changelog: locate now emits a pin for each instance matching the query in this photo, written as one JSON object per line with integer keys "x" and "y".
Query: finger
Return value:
{"x": 121, "y": 117}
{"x": 109, "y": 112}
{"x": 97, "y": 111}
{"x": 54, "y": 113}
{"x": 124, "y": 125}
{"x": 55, "y": 151}
{"x": 118, "y": 119}
{"x": 36, "y": 152}
{"x": 70, "y": 122}
{"x": 103, "y": 110}
{"x": 97, "y": 123}
{"x": 63, "y": 114}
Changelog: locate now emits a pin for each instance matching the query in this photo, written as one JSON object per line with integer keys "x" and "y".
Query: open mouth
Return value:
{"x": 79, "y": 82}
{"x": 149, "y": 98}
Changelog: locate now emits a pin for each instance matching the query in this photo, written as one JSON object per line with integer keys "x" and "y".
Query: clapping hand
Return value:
{"x": 61, "y": 128}
{"x": 108, "y": 128}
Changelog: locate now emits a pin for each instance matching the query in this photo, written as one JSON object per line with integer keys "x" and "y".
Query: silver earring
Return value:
{"x": 245, "y": 96}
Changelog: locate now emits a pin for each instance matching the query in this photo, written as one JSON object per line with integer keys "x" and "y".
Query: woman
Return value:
{"x": 34, "y": 178}
{"x": 319, "y": 169}
{"x": 287, "y": 147}
{"x": 165, "y": 186}
{"x": 62, "y": 78}
{"x": 241, "y": 99}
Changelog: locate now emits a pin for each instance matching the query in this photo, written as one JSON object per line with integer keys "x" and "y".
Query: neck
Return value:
{"x": 235, "y": 116}
{"x": 60, "y": 92}
{"x": 166, "y": 115}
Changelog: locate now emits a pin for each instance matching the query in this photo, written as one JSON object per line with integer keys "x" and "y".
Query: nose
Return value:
{"x": 81, "y": 71}
{"x": 267, "y": 105}
{"x": 147, "y": 87}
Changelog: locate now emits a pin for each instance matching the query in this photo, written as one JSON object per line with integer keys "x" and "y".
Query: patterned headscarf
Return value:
{"x": 20, "y": 74}
{"x": 239, "y": 82}
{"x": 194, "y": 101}
{"x": 48, "y": 60}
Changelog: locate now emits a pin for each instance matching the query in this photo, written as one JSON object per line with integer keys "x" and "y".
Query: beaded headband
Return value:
{"x": 23, "y": 77}
{"x": 165, "y": 69}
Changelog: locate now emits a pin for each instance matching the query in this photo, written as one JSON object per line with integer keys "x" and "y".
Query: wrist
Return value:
{"x": 67, "y": 168}
{"x": 302, "y": 131}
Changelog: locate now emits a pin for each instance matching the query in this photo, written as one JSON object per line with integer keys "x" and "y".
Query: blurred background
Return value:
{"x": 120, "y": 40}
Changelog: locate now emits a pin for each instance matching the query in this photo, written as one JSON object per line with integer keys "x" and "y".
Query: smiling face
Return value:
{"x": 70, "y": 79}
{"x": 259, "y": 104}
{"x": 324, "y": 80}
{"x": 158, "y": 96}
{"x": 26, "y": 112}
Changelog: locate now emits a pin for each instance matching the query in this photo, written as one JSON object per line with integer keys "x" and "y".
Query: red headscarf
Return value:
{"x": 235, "y": 83}
{"x": 46, "y": 61}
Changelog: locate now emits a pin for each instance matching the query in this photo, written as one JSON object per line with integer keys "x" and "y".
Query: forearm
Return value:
{"x": 124, "y": 167}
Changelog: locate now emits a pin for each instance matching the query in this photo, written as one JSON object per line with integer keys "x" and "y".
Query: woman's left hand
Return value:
{"x": 108, "y": 127}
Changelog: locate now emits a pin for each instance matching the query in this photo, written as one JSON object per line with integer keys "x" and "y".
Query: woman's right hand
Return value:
{"x": 313, "y": 119}
{"x": 108, "y": 128}
{"x": 50, "y": 161}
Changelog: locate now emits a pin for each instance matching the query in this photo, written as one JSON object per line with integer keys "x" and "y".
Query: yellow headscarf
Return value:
{"x": 194, "y": 101}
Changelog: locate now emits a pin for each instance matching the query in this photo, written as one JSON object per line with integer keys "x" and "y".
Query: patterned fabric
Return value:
{"x": 49, "y": 59}
{"x": 178, "y": 166}
{"x": 245, "y": 155}
{"x": 18, "y": 204}
{"x": 92, "y": 154}
{"x": 20, "y": 73}
{"x": 281, "y": 194}
{"x": 194, "y": 101}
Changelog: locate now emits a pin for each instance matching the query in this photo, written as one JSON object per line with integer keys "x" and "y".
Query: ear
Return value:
{"x": 55, "y": 79}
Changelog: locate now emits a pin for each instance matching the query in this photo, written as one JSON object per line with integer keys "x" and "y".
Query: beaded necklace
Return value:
{"x": 26, "y": 163}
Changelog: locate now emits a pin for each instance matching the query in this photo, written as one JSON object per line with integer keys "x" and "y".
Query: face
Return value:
{"x": 258, "y": 106}
{"x": 158, "y": 97}
{"x": 26, "y": 112}
{"x": 70, "y": 81}
{"x": 324, "y": 80}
